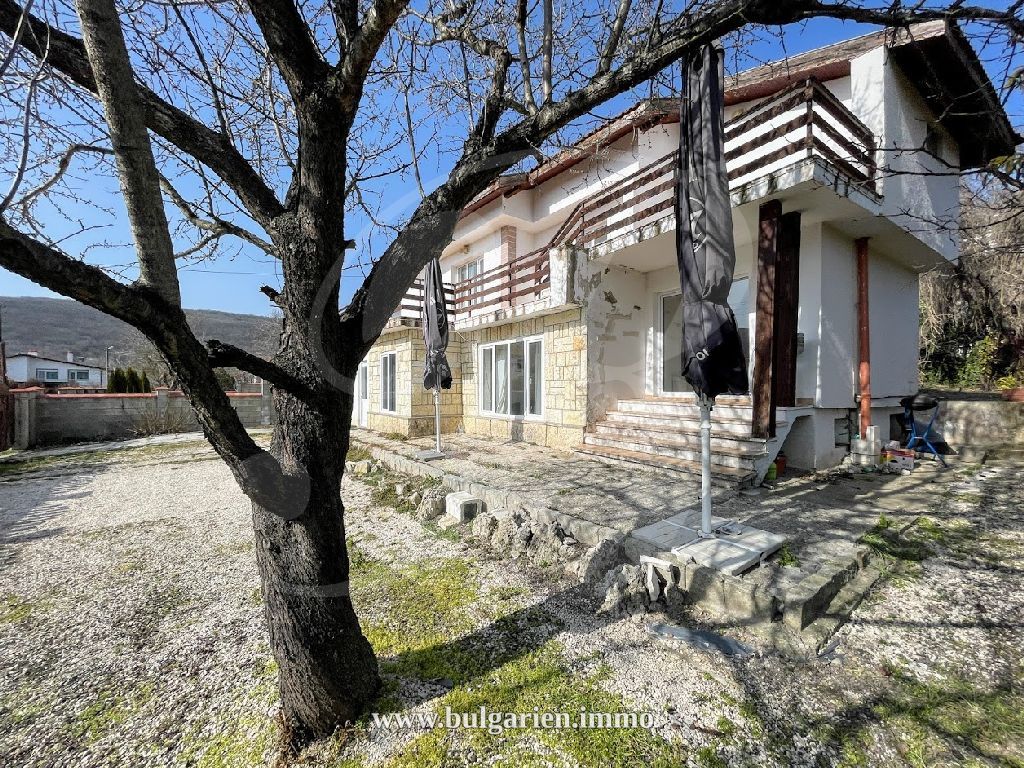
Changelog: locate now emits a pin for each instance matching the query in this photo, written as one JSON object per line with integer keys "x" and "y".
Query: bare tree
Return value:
{"x": 266, "y": 122}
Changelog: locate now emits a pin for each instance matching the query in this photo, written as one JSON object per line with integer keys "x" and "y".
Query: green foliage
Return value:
{"x": 786, "y": 557}
{"x": 118, "y": 381}
{"x": 225, "y": 379}
{"x": 134, "y": 384}
{"x": 979, "y": 364}
{"x": 128, "y": 380}
{"x": 888, "y": 542}
{"x": 1010, "y": 381}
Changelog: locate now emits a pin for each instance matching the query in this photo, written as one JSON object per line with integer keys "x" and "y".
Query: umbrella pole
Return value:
{"x": 705, "y": 465}
{"x": 437, "y": 417}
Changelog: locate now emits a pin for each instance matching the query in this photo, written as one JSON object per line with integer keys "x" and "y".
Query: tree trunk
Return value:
{"x": 327, "y": 670}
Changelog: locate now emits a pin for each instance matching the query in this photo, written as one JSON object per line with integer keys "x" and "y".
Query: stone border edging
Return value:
{"x": 584, "y": 531}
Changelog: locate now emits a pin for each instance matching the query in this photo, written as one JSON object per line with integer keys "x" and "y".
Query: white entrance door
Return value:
{"x": 669, "y": 381}
{"x": 669, "y": 371}
{"x": 362, "y": 394}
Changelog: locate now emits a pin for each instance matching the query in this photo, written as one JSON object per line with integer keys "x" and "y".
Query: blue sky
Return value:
{"x": 232, "y": 283}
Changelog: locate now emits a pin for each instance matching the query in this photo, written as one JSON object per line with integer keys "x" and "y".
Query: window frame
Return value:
{"x": 385, "y": 379}
{"x": 477, "y": 262}
{"x": 41, "y": 374}
{"x": 75, "y": 374}
{"x": 489, "y": 350}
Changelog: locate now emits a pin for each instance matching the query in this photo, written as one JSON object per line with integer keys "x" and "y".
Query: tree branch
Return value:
{"x": 228, "y": 356}
{"x": 291, "y": 45}
{"x": 356, "y": 64}
{"x": 610, "y": 48}
{"x": 140, "y": 182}
{"x": 215, "y": 225}
{"x": 211, "y": 148}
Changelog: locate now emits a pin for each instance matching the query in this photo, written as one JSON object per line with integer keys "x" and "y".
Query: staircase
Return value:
{"x": 665, "y": 433}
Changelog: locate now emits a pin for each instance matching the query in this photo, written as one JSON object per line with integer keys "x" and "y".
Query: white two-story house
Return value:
{"x": 843, "y": 166}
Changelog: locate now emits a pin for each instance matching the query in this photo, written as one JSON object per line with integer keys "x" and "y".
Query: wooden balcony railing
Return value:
{"x": 805, "y": 119}
{"x": 411, "y": 307}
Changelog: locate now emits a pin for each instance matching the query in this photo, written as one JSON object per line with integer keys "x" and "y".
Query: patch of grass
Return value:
{"x": 946, "y": 722}
{"x": 109, "y": 710}
{"x": 395, "y": 436}
{"x": 540, "y": 681}
{"x": 384, "y": 496}
{"x": 726, "y": 726}
{"x": 411, "y": 611}
{"x": 708, "y": 757}
{"x": 786, "y": 557}
{"x": 448, "y": 534}
{"x": 886, "y": 541}
{"x": 15, "y": 609}
{"x": 358, "y": 452}
{"x": 241, "y": 737}
{"x": 941, "y": 723}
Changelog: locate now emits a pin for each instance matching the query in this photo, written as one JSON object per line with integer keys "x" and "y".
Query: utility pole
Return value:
{"x": 106, "y": 369}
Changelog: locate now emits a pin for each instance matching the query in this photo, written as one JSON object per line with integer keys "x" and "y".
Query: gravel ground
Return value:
{"x": 131, "y": 634}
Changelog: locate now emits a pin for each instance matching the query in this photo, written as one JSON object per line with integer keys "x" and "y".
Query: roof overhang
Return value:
{"x": 946, "y": 71}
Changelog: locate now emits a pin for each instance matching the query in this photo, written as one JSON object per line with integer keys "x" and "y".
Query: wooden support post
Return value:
{"x": 762, "y": 392}
{"x": 787, "y": 302}
{"x": 863, "y": 336}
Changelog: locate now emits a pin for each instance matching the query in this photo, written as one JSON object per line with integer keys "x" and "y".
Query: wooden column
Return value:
{"x": 787, "y": 305}
{"x": 863, "y": 336}
{"x": 761, "y": 390}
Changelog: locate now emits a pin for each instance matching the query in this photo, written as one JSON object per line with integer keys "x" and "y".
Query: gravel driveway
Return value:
{"x": 131, "y": 634}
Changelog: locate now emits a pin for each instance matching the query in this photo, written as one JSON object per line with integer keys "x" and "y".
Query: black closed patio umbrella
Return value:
{"x": 437, "y": 374}
{"x": 712, "y": 353}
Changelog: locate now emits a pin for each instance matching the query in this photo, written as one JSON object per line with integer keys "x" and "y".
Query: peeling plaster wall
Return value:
{"x": 618, "y": 312}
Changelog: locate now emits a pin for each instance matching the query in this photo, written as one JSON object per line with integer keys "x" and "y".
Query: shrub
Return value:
{"x": 978, "y": 366}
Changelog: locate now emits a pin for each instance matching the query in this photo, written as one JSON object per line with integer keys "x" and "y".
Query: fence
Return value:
{"x": 41, "y": 419}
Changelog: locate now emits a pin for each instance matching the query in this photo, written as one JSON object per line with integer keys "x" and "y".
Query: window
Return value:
{"x": 469, "y": 270}
{"x": 387, "y": 382}
{"x": 511, "y": 378}
{"x": 47, "y": 374}
{"x": 78, "y": 375}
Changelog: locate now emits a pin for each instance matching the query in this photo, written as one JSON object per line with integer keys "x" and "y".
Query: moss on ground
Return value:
{"x": 943, "y": 722}
{"x": 15, "y": 609}
{"x": 421, "y": 617}
{"x": 110, "y": 709}
{"x": 886, "y": 541}
{"x": 539, "y": 681}
{"x": 237, "y": 741}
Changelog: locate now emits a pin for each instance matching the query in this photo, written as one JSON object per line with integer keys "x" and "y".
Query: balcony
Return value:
{"x": 805, "y": 121}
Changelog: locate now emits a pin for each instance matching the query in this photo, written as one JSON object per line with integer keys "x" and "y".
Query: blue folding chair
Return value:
{"x": 918, "y": 436}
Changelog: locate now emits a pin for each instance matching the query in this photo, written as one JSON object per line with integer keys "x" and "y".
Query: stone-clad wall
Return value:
{"x": 42, "y": 419}
{"x": 565, "y": 382}
{"x": 414, "y": 406}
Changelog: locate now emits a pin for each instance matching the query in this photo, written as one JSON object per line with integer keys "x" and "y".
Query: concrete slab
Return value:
{"x": 719, "y": 554}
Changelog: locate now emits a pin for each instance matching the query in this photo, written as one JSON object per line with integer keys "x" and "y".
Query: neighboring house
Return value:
{"x": 29, "y": 366}
{"x": 565, "y": 291}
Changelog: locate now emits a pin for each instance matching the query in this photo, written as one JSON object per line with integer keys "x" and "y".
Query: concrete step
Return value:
{"x": 685, "y": 409}
{"x": 687, "y": 424}
{"x": 724, "y": 442}
{"x": 689, "y": 397}
{"x": 720, "y": 475}
{"x": 671, "y": 449}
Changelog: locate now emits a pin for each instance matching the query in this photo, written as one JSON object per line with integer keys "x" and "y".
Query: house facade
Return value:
{"x": 49, "y": 372}
{"x": 564, "y": 291}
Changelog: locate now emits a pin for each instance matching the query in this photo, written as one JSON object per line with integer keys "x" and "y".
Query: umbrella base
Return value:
{"x": 429, "y": 455}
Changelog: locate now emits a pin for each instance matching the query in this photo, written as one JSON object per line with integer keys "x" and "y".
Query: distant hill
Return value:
{"x": 54, "y": 327}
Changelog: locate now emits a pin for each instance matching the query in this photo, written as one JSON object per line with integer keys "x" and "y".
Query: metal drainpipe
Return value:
{"x": 863, "y": 336}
